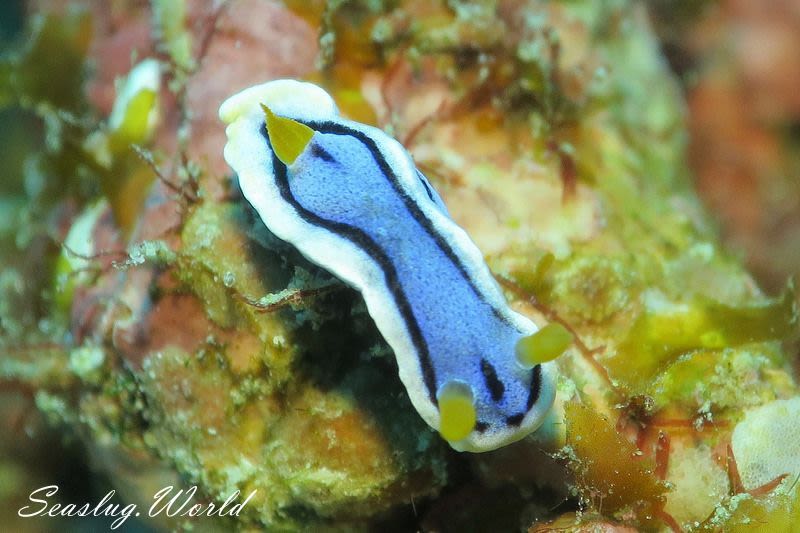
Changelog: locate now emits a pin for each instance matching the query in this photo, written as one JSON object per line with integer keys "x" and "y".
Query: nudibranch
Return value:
{"x": 351, "y": 200}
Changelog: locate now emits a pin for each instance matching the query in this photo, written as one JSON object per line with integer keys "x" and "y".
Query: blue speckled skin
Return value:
{"x": 458, "y": 325}
{"x": 354, "y": 203}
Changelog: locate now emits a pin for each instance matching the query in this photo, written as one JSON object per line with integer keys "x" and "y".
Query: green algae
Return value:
{"x": 745, "y": 513}
{"x": 72, "y": 268}
{"x": 41, "y": 87}
{"x": 304, "y": 448}
{"x": 86, "y": 362}
{"x": 211, "y": 265}
{"x": 169, "y": 21}
{"x": 42, "y": 79}
{"x": 47, "y": 68}
{"x": 665, "y": 331}
{"x": 720, "y": 379}
{"x": 587, "y": 287}
{"x": 115, "y": 146}
{"x": 289, "y": 476}
{"x": 42, "y": 108}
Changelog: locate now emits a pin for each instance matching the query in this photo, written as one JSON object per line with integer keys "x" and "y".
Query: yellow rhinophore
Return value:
{"x": 456, "y": 411}
{"x": 288, "y": 137}
{"x": 544, "y": 345}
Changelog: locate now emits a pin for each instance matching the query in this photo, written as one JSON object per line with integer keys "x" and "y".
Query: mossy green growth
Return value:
{"x": 44, "y": 77}
{"x": 589, "y": 287}
{"x": 213, "y": 265}
{"x": 43, "y": 117}
{"x": 720, "y": 379}
{"x": 169, "y": 19}
{"x": 41, "y": 95}
{"x": 312, "y": 453}
{"x": 47, "y": 68}
{"x": 743, "y": 513}
{"x": 665, "y": 330}
{"x": 86, "y": 362}
{"x": 533, "y": 280}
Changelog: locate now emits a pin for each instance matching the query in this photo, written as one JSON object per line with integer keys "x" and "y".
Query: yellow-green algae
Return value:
{"x": 169, "y": 21}
{"x": 744, "y": 513}
{"x": 609, "y": 469}
{"x": 43, "y": 115}
{"x": 124, "y": 176}
{"x": 45, "y": 70}
{"x": 231, "y": 362}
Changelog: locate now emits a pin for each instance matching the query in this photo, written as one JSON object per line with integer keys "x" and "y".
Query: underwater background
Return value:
{"x": 629, "y": 169}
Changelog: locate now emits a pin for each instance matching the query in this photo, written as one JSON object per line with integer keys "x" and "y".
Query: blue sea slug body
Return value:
{"x": 350, "y": 198}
